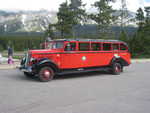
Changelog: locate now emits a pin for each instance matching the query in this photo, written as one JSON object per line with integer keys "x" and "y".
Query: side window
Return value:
{"x": 84, "y": 46}
{"x": 123, "y": 47}
{"x": 107, "y": 47}
{"x": 70, "y": 47}
{"x": 115, "y": 46}
{"x": 96, "y": 46}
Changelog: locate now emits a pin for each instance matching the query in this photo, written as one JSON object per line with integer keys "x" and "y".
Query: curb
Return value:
{"x": 17, "y": 64}
{"x": 140, "y": 60}
{"x": 9, "y": 66}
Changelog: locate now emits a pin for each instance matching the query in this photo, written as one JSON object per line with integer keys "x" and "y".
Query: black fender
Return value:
{"x": 46, "y": 62}
{"x": 119, "y": 60}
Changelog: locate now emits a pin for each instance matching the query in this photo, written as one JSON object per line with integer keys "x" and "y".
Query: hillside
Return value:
{"x": 37, "y": 21}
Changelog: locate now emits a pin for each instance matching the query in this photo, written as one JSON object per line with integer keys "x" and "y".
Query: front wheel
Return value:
{"x": 117, "y": 68}
{"x": 46, "y": 74}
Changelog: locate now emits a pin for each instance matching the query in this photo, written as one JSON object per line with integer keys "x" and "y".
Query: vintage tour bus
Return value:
{"x": 75, "y": 55}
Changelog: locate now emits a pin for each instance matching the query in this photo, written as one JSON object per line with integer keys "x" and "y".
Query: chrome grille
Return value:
{"x": 27, "y": 59}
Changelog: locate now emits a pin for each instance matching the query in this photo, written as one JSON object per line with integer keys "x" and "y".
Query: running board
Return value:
{"x": 83, "y": 70}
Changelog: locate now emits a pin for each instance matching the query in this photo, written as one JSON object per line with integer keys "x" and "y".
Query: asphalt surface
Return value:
{"x": 95, "y": 92}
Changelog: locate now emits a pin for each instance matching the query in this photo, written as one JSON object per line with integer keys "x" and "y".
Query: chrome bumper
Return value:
{"x": 26, "y": 69}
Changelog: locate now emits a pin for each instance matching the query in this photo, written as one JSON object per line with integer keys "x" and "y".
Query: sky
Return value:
{"x": 52, "y": 5}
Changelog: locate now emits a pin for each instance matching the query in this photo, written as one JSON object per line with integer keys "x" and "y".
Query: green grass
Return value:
{"x": 14, "y": 57}
{"x": 17, "y": 55}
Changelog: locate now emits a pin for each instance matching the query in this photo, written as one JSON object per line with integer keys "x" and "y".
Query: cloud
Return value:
{"x": 30, "y": 4}
{"x": 132, "y": 5}
{"x": 147, "y": 3}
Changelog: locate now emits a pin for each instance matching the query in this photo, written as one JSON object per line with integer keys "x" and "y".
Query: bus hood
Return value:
{"x": 43, "y": 51}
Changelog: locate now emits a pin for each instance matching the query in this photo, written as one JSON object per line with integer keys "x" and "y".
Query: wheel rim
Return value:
{"x": 118, "y": 68}
{"x": 46, "y": 74}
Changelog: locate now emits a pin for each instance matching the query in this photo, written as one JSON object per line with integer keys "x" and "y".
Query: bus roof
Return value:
{"x": 89, "y": 40}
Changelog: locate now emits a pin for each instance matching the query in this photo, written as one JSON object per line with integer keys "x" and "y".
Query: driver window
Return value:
{"x": 70, "y": 47}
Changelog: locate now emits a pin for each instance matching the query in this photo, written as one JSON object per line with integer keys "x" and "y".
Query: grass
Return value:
{"x": 17, "y": 55}
{"x": 14, "y": 57}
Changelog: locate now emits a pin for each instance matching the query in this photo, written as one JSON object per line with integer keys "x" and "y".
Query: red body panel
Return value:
{"x": 85, "y": 59}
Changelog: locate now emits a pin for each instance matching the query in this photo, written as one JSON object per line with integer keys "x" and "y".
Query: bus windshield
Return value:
{"x": 53, "y": 45}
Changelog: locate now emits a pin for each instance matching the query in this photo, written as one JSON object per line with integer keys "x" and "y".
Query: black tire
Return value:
{"x": 122, "y": 69}
{"x": 116, "y": 68}
{"x": 29, "y": 75}
{"x": 46, "y": 74}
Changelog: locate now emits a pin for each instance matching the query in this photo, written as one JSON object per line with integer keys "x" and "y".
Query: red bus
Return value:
{"x": 75, "y": 55}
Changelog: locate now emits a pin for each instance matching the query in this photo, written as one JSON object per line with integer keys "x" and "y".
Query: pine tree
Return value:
{"x": 140, "y": 19}
{"x": 65, "y": 19}
{"x": 70, "y": 15}
{"x": 104, "y": 17}
{"x": 123, "y": 36}
{"x": 147, "y": 10}
{"x": 124, "y": 15}
{"x": 79, "y": 13}
{"x": 50, "y": 31}
{"x": 141, "y": 42}
{"x": 147, "y": 21}
{"x": 77, "y": 8}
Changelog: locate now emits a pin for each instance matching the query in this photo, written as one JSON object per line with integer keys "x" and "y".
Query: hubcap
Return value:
{"x": 46, "y": 74}
{"x": 118, "y": 68}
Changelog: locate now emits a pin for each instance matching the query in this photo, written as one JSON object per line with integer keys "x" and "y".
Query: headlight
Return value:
{"x": 32, "y": 59}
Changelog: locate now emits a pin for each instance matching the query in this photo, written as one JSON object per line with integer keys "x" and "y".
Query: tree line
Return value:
{"x": 72, "y": 14}
{"x": 20, "y": 43}
{"x": 140, "y": 42}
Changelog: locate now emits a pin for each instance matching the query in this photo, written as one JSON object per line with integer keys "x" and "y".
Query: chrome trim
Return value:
{"x": 28, "y": 69}
{"x": 27, "y": 59}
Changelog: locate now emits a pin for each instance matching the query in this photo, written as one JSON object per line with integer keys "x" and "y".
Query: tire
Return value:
{"x": 29, "y": 75}
{"x": 46, "y": 74}
{"x": 122, "y": 69}
{"x": 116, "y": 68}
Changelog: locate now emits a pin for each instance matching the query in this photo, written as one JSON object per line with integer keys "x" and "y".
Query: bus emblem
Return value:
{"x": 84, "y": 58}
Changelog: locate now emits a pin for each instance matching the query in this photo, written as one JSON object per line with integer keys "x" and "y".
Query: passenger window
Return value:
{"x": 106, "y": 47}
{"x": 123, "y": 47}
{"x": 96, "y": 46}
{"x": 115, "y": 46}
{"x": 84, "y": 46}
{"x": 70, "y": 47}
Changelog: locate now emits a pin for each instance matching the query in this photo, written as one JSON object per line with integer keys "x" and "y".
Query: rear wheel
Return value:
{"x": 28, "y": 74}
{"x": 46, "y": 74}
{"x": 116, "y": 68}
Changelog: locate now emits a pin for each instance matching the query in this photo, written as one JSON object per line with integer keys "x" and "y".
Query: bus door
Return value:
{"x": 69, "y": 57}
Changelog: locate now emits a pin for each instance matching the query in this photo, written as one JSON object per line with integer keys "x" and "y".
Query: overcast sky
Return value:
{"x": 132, "y": 5}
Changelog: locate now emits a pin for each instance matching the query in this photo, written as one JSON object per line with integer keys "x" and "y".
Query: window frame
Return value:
{"x": 124, "y": 46}
{"x": 106, "y": 43}
{"x": 89, "y": 46}
{"x": 70, "y": 42}
{"x": 118, "y": 47}
{"x": 100, "y": 46}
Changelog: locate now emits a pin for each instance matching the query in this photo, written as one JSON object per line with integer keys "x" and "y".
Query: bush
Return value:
{"x": 20, "y": 43}
{"x": 1, "y": 48}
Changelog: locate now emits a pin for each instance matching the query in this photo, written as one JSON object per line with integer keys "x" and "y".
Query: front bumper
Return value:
{"x": 26, "y": 69}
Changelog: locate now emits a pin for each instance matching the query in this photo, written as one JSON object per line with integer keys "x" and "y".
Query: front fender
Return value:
{"x": 121, "y": 60}
{"x": 46, "y": 62}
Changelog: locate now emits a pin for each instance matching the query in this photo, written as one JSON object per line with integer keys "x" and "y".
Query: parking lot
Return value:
{"x": 94, "y": 92}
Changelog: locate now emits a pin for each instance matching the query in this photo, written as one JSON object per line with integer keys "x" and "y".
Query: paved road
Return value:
{"x": 94, "y": 92}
